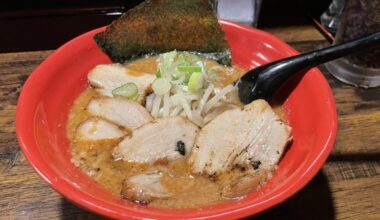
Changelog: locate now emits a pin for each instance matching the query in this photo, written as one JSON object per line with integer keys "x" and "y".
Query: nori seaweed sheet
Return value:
{"x": 158, "y": 26}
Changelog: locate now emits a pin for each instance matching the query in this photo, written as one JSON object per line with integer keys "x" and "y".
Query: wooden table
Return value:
{"x": 347, "y": 187}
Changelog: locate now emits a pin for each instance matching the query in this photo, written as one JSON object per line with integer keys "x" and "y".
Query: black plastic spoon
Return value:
{"x": 263, "y": 81}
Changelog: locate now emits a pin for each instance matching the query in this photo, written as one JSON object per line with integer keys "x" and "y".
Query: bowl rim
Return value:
{"x": 89, "y": 202}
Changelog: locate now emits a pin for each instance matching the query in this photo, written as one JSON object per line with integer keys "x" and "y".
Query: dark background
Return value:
{"x": 40, "y": 25}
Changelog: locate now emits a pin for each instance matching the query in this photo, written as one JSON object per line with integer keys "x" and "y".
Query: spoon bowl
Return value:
{"x": 263, "y": 81}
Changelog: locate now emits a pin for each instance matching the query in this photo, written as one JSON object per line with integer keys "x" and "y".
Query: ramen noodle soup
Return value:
{"x": 169, "y": 131}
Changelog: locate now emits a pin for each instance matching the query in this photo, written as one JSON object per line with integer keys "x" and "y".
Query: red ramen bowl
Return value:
{"x": 51, "y": 89}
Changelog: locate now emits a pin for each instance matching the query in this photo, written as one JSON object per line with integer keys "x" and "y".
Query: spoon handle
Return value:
{"x": 264, "y": 79}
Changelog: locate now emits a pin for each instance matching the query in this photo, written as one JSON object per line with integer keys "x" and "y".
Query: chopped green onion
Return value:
{"x": 158, "y": 74}
{"x": 161, "y": 86}
{"x": 189, "y": 68}
{"x": 128, "y": 90}
{"x": 187, "y": 78}
{"x": 187, "y": 58}
{"x": 181, "y": 58}
{"x": 178, "y": 78}
{"x": 165, "y": 62}
{"x": 195, "y": 82}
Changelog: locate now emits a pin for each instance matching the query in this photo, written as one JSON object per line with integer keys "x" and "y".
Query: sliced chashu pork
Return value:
{"x": 253, "y": 136}
{"x": 214, "y": 112}
{"x": 144, "y": 187}
{"x": 240, "y": 183}
{"x": 107, "y": 77}
{"x": 94, "y": 129}
{"x": 168, "y": 138}
{"x": 120, "y": 111}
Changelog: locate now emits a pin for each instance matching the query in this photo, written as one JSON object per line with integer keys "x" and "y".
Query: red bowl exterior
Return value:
{"x": 49, "y": 93}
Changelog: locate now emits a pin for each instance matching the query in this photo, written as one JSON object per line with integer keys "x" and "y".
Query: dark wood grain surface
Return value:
{"x": 347, "y": 187}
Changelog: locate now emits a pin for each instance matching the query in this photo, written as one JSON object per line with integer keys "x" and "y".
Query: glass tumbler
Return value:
{"x": 360, "y": 18}
{"x": 241, "y": 11}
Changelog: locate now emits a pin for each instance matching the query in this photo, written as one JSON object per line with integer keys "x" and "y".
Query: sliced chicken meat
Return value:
{"x": 253, "y": 136}
{"x": 107, "y": 77}
{"x": 95, "y": 129}
{"x": 123, "y": 112}
{"x": 145, "y": 187}
{"x": 169, "y": 138}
